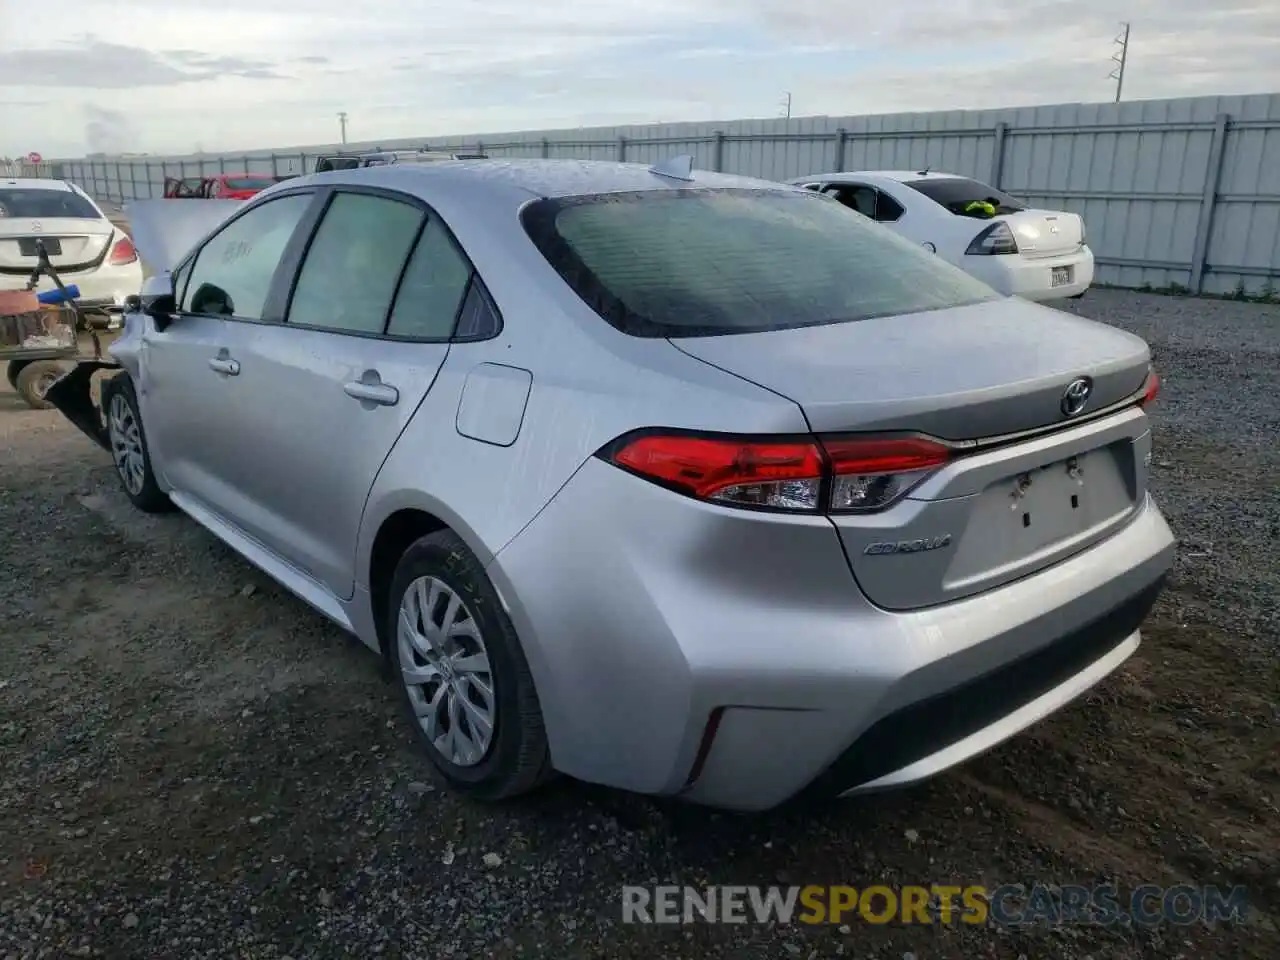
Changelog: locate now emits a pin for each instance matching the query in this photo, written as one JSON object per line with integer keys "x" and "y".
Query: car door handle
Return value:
{"x": 380, "y": 393}
{"x": 224, "y": 365}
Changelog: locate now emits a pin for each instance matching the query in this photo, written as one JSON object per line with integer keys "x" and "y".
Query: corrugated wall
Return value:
{"x": 1174, "y": 192}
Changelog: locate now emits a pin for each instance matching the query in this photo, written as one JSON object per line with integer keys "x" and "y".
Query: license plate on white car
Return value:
{"x": 1060, "y": 277}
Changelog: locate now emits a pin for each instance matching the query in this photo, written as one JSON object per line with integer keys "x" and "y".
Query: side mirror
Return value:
{"x": 157, "y": 300}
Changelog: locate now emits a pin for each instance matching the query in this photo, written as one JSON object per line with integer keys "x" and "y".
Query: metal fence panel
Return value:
{"x": 1174, "y": 192}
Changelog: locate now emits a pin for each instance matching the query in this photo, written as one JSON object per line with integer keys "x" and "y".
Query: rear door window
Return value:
{"x": 966, "y": 198}
{"x": 699, "y": 262}
{"x": 353, "y": 266}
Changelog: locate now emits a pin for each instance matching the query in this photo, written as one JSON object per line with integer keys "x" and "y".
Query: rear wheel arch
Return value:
{"x": 395, "y": 535}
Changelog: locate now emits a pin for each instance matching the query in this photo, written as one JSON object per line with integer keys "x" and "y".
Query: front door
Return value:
{"x": 333, "y": 388}
{"x": 189, "y": 372}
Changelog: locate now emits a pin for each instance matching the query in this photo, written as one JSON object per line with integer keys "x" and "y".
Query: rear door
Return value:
{"x": 374, "y": 306}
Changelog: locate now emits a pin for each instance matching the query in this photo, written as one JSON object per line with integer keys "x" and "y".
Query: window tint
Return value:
{"x": 957, "y": 194}
{"x": 325, "y": 164}
{"x": 349, "y": 275}
{"x": 44, "y": 202}
{"x": 868, "y": 201}
{"x": 433, "y": 287}
{"x": 887, "y": 208}
{"x": 180, "y": 278}
{"x": 479, "y": 318}
{"x": 233, "y": 271}
{"x": 709, "y": 262}
{"x": 855, "y": 197}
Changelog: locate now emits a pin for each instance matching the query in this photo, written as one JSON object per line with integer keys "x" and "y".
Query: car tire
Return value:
{"x": 1080, "y": 295}
{"x": 34, "y": 378}
{"x": 127, "y": 442}
{"x": 438, "y": 672}
{"x": 13, "y": 368}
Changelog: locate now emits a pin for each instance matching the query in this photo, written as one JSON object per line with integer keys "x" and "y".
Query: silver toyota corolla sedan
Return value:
{"x": 686, "y": 483}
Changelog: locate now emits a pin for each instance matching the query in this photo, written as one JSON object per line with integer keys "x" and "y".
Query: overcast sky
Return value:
{"x": 177, "y": 75}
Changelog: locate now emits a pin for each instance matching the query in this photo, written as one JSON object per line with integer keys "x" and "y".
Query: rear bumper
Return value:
{"x": 105, "y": 287}
{"x": 681, "y": 648}
{"x": 1015, "y": 276}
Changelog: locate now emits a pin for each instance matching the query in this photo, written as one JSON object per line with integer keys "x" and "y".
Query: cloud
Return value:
{"x": 93, "y": 63}
{"x": 261, "y": 76}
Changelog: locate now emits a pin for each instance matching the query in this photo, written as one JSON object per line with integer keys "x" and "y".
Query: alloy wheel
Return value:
{"x": 126, "y": 444}
{"x": 445, "y": 668}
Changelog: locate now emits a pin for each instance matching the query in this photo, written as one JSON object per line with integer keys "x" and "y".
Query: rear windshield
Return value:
{"x": 45, "y": 203}
{"x": 689, "y": 263}
{"x": 967, "y": 198}
{"x": 249, "y": 183}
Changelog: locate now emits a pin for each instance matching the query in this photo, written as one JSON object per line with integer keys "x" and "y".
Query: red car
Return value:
{"x": 223, "y": 186}
{"x": 236, "y": 186}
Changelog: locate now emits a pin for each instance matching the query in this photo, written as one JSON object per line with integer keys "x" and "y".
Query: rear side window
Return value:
{"x": 686, "y": 263}
{"x": 431, "y": 292}
{"x": 965, "y": 198}
{"x": 47, "y": 203}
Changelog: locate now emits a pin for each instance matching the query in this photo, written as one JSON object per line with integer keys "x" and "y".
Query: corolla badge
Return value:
{"x": 1076, "y": 396}
{"x": 883, "y": 547}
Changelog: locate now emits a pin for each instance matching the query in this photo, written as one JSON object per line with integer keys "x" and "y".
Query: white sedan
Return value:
{"x": 84, "y": 246}
{"x": 1018, "y": 250}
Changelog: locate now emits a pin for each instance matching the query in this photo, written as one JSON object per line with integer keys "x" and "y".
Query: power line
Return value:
{"x": 1120, "y": 58}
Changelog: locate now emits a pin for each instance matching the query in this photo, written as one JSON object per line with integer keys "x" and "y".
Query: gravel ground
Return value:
{"x": 194, "y": 765}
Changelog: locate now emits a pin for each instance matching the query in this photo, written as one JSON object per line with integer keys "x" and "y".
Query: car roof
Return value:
{"x": 34, "y": 183}
{"x": 902, "y": 176}
{"x": 524, "y": 179}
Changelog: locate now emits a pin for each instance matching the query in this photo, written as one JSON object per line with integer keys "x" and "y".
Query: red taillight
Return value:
{"x": 122, "y": 253}
{"x": 870, "y": 474}
{"x": 1150, "y": 389}
{"x": 839, "y": 474}
{"x": 785, "y": 475}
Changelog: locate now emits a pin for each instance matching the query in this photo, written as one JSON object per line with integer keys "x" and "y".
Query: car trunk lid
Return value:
{"x": 1028, "y": 485}
{"x": 72, "y": 243}
{"x": 985, "y": 370}
{"x": 1045, "y": 233}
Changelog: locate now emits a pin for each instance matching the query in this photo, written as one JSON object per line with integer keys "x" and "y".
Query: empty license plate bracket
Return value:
{"x": 27, "y": 246}
{"x": 1054, "y": 494}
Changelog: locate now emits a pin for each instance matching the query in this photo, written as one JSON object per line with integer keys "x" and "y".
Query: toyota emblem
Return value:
{"x": 1076, "y": 396}
{"x": 36, "y": 226}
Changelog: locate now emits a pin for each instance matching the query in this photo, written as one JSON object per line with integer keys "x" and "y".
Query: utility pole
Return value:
{"x": 1120, "y": 58}
{"x": 786, "y": 104}
{"x": 342, "y": 121}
